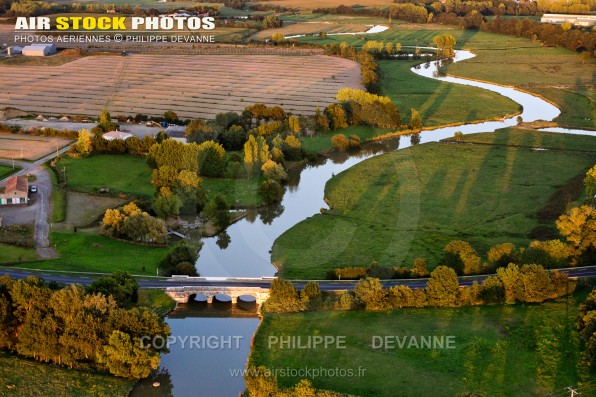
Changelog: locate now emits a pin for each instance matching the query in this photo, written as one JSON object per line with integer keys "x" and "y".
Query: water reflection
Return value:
{"x": 204, "y": 369}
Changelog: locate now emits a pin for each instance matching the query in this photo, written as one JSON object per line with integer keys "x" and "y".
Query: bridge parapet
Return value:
{"x": 182, "y": 294}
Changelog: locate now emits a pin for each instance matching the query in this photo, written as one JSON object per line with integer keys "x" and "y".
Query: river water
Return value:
{"x": 245, "y": 252}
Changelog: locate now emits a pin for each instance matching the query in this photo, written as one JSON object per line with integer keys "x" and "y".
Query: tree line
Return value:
{"x": 510, "y": 284}
{"x": 473, "y": 15}
{"x": 79, "y": 328}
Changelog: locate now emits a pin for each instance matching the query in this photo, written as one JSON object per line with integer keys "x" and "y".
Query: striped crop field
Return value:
{"x": 191, "y": 85}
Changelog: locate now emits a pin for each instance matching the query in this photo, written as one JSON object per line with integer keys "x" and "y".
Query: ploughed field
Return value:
{"x": 30, "y": 147}
{"x": 193, "y": 86}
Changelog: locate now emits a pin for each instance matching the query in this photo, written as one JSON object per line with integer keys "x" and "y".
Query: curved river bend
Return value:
{"x": 188, "y": 372}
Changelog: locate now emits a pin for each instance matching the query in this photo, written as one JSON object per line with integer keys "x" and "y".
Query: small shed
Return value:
{"x": 110, "y": 136}
{"x": 15, "y": 192}
{"x": 39, "y": 50}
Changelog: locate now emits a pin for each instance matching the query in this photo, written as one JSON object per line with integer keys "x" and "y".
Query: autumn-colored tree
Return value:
{"x": 415, "y": 120}
{"x": 442, "y": 287}
{"x": 460, "y": 256}
{"x": 590, "y": 182}
{"x": 370, "y": 293}
{"x": 84, "y": 142}
{"x": 274, "y": 171}
{"x": 578, "y": 226}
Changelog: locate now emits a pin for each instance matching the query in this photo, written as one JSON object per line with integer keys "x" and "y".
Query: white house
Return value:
{"x": 39, "y": 50}
{"x": 109, "y": 136}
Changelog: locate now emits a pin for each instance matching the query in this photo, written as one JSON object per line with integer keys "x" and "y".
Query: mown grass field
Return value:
{"x": 403, "y": 205}
{"x": 90, "y": 252}
{"x": 122, "y": 174}
{"x": 11, "y": 254}
{"x": 521, "y": 350}
{"x": 6, "y": 170}
{"x": 25, "y": 378}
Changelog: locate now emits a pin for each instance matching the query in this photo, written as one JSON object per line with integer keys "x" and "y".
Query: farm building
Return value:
{"x": 110, "y": 136}
{"x": 576, "y": 20}
{"x": 14, "y": 50}
{"x": 15, "y": 192}
{"x": 39, "y": 50}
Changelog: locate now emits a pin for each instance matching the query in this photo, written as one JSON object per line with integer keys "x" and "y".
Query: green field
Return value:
{"x": 237, "y": 192}
{"x": 6, "y": 170}
{"x": 439, "y": 103}
{"x": 11, "y": 254}
{"x": 90, "y": 252}
{"x": 26, "y": 378}
{"x": 521, "y": 350}
{"x": 407, "y": 204}
{"x": 122, "y": 174}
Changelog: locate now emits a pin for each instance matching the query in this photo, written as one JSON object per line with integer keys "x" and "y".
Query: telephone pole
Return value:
{"x": 573, "y": 392}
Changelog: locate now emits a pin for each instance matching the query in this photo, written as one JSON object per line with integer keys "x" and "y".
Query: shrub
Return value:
{"x": 340, "y": 142}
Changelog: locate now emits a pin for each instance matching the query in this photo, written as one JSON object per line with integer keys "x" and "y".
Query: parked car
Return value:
{"x": 33, "y": 189}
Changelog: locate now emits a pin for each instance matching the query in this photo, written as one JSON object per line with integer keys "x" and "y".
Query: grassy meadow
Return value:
{"x": 25, "y": 378}
{"x": 87, "y": 251}
{"x": 6, "y": 170}
{"x": 409, "y": 204}
{"x": 517, "y": 350}
{"x": 439, "y": 103}
{"x": 122, "y": 174}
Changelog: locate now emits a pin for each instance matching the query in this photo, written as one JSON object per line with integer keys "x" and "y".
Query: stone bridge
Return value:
{"x": 183, "y": 294}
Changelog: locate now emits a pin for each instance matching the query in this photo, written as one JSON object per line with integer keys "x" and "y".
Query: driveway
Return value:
{"x": 38, "y": 210}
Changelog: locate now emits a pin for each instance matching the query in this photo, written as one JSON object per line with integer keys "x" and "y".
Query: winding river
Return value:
{"x": 245, "y": 251}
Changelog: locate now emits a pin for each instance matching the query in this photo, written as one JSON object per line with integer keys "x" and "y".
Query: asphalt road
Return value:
{"x": 325, "y": 285}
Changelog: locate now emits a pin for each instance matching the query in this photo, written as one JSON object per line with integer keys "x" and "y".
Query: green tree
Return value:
{"x": 415, "y": 120}
{"x": 121, "y": 285}
{"x": 198, "y": 131}
{"x": 283, "y": 298}
{"x": 167, "y": 204}
{"x": 212, "y": 159}
{"x": 170, "y": 116}
{"x": 105, "y": 122}
{"x": 124, "y": 356}
{"x": 271, "y": 191}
